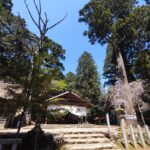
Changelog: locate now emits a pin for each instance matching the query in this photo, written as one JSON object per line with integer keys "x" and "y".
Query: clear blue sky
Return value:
{"x": 69, "y": 33}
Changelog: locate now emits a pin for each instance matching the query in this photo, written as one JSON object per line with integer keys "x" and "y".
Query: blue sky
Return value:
{"x": 69, "y": 33}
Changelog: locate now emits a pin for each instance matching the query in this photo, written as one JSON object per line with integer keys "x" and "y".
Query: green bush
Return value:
{"x": 56, "y": 115}
{"x": 42, "y": 141}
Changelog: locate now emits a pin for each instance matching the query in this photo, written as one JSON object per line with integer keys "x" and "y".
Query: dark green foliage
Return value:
{"x": 47, "y": 65}
{"x": 146, "y": 94}
{"x": 88, "y": 83}
{"x": 14, "y": 55}
{"x": 28, "y": 66}
{"x": 110, "y": 67}
{"x": 103, "y": 17}
{"x": 142, "y": 68}
{"x": 71, "y": 81}
{"x": 147, "y": 1}
{"x": 87, "y": 79}
{"x": 7, "y": 4}
{"x": 124, "y": 26}
{"x": 43, "y": 141}
{"x": 58, "y": 86}
{"x": 56, "y": 116}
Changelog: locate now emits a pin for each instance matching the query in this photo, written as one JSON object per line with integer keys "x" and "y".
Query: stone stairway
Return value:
{"x": 87, "y": 140}
{"x": 81, "y": 136}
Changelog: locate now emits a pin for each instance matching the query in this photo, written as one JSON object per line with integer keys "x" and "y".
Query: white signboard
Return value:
{"x": 76, "y": 110}
{"x": 131, "y": 117}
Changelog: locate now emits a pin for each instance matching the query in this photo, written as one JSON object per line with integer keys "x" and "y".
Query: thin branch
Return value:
{"x": 36, "y": 6}
{"x": 46, "y": 19}
{"x": 39, "y": 14}
{"x": 45, "y": 24}
{"x": 41, "y": 24}
{"x": 31, "y": 14}
{"x": 39, "y": 11}
{"x": 57, "y": 22}
{"x": 40, "y": 8}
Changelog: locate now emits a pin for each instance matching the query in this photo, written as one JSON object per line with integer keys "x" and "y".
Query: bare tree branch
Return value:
{"x": 31, "y": 14}
{"x": 57, "y": 22}
{"x": 41, "y": 24}
{"x": 39, "y": 11}
{"x": 39, "y": 14}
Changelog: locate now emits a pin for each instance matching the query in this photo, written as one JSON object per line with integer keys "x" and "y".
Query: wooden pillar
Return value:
{"x": 147, "y": 131}
{"x": 124, "y": 136}
{"x": 133, "y": 136}
{"x": 108, "y": 123}
{"x": 141, "y": 136}
{"x": 14, "y": 147}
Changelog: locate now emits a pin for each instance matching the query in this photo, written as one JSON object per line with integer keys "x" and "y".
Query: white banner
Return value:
{"x": 76, "y": 110}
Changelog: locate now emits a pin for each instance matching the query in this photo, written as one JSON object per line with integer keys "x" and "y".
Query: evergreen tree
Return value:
{"x": 27, "y": 61}
{"x": 14, "y": 52}
{"x": 121, "y": 25}
{"x": 88, "y": 83}
{"x": 7, "y": 4}
{"x": 143, "y": 72}
{"x": 110, "y": 69}
{"x": 110, "y": 65}
{"x": 71, "y": 81}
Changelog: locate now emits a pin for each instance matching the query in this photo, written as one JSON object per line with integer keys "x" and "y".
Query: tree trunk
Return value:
{"x": 129, "y": 106}
{"x": 123, "y": 76}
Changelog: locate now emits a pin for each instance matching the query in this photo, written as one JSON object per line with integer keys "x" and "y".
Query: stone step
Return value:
{"x": 92, "y": 140}
{"x": 83, "y": 132}
{"x": 94, "y": 135}
{"x": 90, "y": 146}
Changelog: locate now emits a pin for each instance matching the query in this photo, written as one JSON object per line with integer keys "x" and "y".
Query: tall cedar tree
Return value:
{"x": 88, "y": 82}
{"x": 111, "y": 73}
{"x": 142, "y": 65}
{"x": 117, "y": 23}
{"x": 136, "y": 54}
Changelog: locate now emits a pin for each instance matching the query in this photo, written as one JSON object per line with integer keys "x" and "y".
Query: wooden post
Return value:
{"x": 108, "y": 123}
{"x": 141, "y": 136}
{"x": 147, "y": 131}
{"x": 125, "y": 140}
{"x": 14, "y": 147}
{"x": 133, "y": 136}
